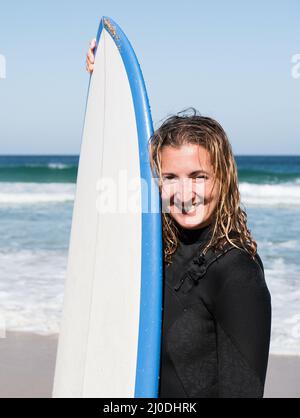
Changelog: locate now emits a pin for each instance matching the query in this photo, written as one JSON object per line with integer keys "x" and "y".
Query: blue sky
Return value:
{"x": 229, "y": 59}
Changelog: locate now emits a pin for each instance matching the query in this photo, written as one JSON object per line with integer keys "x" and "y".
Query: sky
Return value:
{"x": 231, "y": 60}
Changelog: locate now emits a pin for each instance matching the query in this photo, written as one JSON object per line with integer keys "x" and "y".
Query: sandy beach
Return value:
{"x": 27, "y": 363}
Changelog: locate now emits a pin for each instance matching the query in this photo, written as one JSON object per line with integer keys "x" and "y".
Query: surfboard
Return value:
{"x": 110, "y": 337}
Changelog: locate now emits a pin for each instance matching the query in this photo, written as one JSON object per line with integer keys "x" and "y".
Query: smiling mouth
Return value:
{"x": 187, "y": 208}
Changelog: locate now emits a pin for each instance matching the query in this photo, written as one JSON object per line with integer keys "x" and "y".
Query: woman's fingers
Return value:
{"x": 93, "y": 44}
{"x": 90, "y": 60}
{"x": 89, "y": 66}
{"x": 90, "y": 56}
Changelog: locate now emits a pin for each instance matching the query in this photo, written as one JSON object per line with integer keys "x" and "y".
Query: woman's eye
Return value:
{"x": 169, "y": 178}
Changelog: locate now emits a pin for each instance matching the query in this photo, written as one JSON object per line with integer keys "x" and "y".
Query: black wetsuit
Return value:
{"x": 216, "y": 322}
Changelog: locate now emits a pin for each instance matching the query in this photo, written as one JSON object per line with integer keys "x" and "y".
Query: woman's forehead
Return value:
{"x": 187, "y": 157}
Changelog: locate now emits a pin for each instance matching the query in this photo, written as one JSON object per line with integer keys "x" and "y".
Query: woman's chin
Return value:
{"x": 188, "y": 220}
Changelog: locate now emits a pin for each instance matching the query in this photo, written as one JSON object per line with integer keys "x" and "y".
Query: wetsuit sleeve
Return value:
{"x": 243, "y": 322}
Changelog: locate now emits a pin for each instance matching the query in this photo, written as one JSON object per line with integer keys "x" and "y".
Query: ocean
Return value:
{"x": 36, "y": 203}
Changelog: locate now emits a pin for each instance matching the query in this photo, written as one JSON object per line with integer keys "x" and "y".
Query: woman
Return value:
{"x": 217, "y": 307}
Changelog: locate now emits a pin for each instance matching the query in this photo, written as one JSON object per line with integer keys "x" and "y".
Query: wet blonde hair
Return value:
{"x": 187, "y": 128}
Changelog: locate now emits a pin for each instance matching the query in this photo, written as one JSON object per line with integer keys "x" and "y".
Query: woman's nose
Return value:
{"x": 185, "y": 190}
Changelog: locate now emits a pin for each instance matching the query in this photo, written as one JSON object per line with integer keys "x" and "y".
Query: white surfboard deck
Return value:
{"x": 97, "y": 352}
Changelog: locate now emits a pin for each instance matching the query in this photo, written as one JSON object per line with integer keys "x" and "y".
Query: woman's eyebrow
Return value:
{"x": 190, "y": 174}
{"x": 198, "y": 172}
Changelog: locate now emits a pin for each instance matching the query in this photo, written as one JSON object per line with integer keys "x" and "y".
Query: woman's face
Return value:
{"x": 188, "y": 191}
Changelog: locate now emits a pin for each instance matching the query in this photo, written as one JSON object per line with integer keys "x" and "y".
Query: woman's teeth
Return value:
{"x": 191, "y": 208}
{"x": 187, "y": 208}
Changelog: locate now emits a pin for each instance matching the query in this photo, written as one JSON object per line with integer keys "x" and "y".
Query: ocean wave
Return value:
{"x": 52, "y": 166}
{"x": 51, "y": 172}
{"x": 270, "y": 194}
{"x": 262, "y": 176}
{"x": 34, "y": 193}
{"x": 264, "y": 169}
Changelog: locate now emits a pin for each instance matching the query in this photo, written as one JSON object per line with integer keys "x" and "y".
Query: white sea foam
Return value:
{"x": 58, "y": 166}
{"x": 284, "y": 284}
{"x": 289, "y": 244}
{"x": 33, "y": 193}
{"x": 278, "y": 195}
{"x": 31, "y": 290}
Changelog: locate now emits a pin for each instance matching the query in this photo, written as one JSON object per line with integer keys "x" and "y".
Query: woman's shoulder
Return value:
{"x": 240, "y": 256}
{"x": 237, "y": 266}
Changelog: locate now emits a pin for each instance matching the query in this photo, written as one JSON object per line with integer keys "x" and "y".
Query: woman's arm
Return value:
{"x": 243, "y": 322}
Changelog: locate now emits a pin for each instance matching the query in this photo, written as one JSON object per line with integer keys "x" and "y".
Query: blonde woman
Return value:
{"x": 217, "y": 307}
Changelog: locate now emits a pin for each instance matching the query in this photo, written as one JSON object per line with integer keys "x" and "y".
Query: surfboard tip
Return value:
{"x": 110, "y": 27}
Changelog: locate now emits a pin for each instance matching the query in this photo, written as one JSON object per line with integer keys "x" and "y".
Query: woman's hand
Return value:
{"x": 90, "y": 58}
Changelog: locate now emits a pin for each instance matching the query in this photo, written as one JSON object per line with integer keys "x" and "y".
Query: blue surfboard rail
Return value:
{"x": 150, "y": 325}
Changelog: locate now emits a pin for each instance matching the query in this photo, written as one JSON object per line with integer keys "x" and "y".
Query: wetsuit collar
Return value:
{"x": 191, "y": 236}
